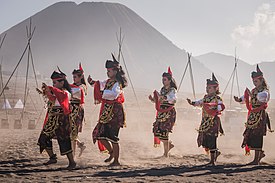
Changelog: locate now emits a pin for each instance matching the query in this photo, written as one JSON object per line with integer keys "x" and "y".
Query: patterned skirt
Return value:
{"x": 253, "y": 137}
{"x": 109, "y": 130}
{"x": 76, "y": 119}
{"x": 208, "y": 138}
{"x": 57, "y": 126}
{"x": 164, "y": 124}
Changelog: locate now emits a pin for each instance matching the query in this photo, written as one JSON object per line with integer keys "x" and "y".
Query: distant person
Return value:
{"x": 166, "y": 114}
{"x": 257, "y": 120}
{"x": 210, "y": 127}
{"x": 112, "y": 116}
{"x": 56, "y": 124}
{"x": 79, "y": 90}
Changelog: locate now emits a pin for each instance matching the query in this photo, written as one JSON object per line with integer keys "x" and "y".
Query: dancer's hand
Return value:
{"x": 39, "y": 91}
{"x": 90, "y": 80}
{"x": 151, "y": 98}
{"x": 237, "y": 99}
{"x": 45, "y": 88}
{"x": 189, "y": 101}
{"x": 44, "y": 85}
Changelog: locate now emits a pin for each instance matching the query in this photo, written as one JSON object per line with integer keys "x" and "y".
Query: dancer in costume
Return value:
{"x": 79, "y": 90}
{"x": 56, "y": 124}
{"x": 210, "y": 127}
{"x": 111, "y": 117}
{"x": 166, "y": 113}
{"x": 258, "y": 119}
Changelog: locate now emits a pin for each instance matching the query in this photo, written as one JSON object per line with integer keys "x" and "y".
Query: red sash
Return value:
{"x": 62, "y": 98}
{"x": 157, "y": 104}
{"x": 249, "y": 105}
{"x": 208, "y": 107}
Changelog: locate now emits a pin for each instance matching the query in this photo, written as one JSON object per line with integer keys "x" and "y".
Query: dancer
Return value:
{"x": 258, "y": 119}
{"x": 166, "y": 113}
{"x": 111, "y": 117}
{"x": 210, "y": 127}
{"x": 79, "y": 90}
{"x": 56, "y": 124}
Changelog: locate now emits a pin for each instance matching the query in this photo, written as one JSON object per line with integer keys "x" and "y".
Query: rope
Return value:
{"x": 228, "y": 82}
{"x": 2, "y": 41}
{"x": 232, "y": 77}
{"x": 187, "y": 64}
{"x": 120, "y": 41}
{"x": 26, "y": 85}
{"x": 20, "y": 60}
{"x": 232, "y": 85}
{"x": 2, "y": 84}
{"x": 191, "y": 75}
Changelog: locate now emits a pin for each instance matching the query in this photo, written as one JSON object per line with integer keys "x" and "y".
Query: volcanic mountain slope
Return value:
{"x": 67, "y": 33}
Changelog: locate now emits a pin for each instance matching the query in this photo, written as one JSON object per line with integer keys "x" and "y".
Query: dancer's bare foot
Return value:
{"x": 110, "y": 157}
{"x": 211, "y": 164}
{"x": 71, "y": 166}
{"x": 82, "y": 148}
{"x": 52, "y": 160}
{"x": 261, "y": 156}
{"x": 253, "y": 163}
{"x": 171, "y": 146}
{"x": 115, "y": 163}
{"x": 218, "y": 153}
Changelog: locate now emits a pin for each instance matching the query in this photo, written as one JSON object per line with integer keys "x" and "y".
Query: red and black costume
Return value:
{"x": 56, "y": 124}
{"x": 77, "y": 106}
{"x": 111, "y": 116}
{"x": 210, "y": 127}
{"x": 258, "y": 119}
{"x": 165, "y": 112}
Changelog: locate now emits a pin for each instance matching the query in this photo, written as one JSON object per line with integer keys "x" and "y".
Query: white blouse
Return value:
{"x": 110, "y": 94}
{"x": 172, "y": 96}
{"x": 76, "y": 93}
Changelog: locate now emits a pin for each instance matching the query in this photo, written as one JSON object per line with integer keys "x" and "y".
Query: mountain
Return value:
{"x": 223, "y": 65}
{"x": 67, "y": 33}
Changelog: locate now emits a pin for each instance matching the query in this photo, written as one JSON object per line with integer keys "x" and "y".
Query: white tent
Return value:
{"x": 6, "y": 104}
{"x": 19, "y": 104}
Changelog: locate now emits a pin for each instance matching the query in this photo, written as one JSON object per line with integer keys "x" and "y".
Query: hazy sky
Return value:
{"x": 198, "y": 26}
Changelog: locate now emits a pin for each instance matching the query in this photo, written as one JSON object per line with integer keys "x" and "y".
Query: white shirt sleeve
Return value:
{"x": 198, "y": 102}
{"x": 102, "y": 84}
{"x": 263, "y": 96}
{"x": 172, "y": 97}
{"x": 219, "y": 105}
{"x": 112, "y": 94}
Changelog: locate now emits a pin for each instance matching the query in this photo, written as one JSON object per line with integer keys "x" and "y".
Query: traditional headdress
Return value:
{"x": 213, "y": 81}
{"x": 58, "y": 75}
{"x": 79, "y": 70}
{"x": 112, "y": 63}
{"x": 257, "y": 74}
{"x": 168, "y": 74}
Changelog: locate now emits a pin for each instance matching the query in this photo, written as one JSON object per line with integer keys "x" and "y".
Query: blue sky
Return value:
{"x": 198, "y": 26}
